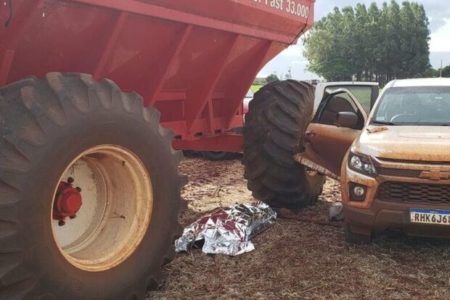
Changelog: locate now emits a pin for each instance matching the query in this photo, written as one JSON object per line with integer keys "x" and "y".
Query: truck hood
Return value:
{"x": 418, "y": 143}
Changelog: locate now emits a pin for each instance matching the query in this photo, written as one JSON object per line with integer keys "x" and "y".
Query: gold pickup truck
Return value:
{"x": 397, "y": 172}
{"x": 393, "y": 160}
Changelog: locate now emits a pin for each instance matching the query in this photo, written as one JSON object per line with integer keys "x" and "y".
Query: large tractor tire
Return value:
{"x": 273, "y": 133}
{"x": 68, "y": 131}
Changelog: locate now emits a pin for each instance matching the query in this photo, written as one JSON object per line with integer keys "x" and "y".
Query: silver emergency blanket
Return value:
{"x": 227, "y": 230}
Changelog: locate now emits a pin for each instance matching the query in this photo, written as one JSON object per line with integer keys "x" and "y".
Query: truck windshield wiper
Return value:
{"x": 382, "y": 123}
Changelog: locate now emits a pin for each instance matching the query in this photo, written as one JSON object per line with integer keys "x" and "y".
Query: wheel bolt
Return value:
{"x": 61, "y": 223}
{"x": 78, "y": 189}
{"x": 70, "y": 180}
{"x": 73, "y": 217}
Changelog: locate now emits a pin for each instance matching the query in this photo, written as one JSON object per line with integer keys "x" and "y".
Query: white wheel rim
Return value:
{"x": 117, "y": 206}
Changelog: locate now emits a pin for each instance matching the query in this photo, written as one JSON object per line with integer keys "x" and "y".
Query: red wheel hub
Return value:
{"x": 68, "y": 201}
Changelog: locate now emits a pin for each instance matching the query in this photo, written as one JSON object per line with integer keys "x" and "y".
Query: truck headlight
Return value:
{"x": 362, "y": 164}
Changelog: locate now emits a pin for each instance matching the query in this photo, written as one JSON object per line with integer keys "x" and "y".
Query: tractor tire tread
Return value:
{"x": 28, "y": 109}
{"x": 275, "y": 124}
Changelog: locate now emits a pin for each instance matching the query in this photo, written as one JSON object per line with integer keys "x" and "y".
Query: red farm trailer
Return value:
{"x": 89, "y": 187}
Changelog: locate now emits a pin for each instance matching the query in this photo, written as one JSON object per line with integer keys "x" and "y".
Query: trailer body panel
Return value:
{"x": 193, "y": 60}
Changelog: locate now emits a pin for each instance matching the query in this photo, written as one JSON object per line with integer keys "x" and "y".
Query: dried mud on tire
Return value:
{"x": 300, "y": 258}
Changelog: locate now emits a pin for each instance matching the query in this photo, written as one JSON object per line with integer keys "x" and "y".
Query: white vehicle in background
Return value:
{"x": 247, "y": 99}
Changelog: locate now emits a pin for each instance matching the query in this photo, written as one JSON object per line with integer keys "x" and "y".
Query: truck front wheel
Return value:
{"x": 89, "y": 191}
{"x": 352, "y": 237}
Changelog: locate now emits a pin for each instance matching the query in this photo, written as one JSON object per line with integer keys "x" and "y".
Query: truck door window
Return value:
{"x": 364, "y": 94}
{"x": 329, "y": 109}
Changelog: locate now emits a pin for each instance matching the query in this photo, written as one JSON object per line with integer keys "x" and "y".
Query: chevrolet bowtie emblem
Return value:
{"x": 435, "y": 175}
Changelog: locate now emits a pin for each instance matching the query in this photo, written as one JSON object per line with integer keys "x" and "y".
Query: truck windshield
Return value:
{"x": 414, "y": 106}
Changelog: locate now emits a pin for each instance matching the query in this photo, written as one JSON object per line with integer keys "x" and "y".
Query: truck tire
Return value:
{"x": 356, "y": 238}
{"x": 68, "y": 125}
{"x": 273, "y": 132}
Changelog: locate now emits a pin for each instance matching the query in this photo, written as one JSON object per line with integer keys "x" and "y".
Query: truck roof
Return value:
{"x": 420, "y": 82}
{"x": 349, "y": 83}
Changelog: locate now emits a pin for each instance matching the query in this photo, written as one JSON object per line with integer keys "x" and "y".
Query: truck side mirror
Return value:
{"x": 347, "y": 119}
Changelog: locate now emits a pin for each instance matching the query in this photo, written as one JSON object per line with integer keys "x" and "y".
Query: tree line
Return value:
{"x": 371, "y": 44}
{"x": 441, "y": 72}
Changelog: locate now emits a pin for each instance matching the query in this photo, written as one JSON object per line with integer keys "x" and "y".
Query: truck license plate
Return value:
{"x": 430, "y": 216}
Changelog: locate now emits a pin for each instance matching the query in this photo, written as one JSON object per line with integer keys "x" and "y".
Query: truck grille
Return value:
{"x": 414, "y": 192}
{"x": 398, "y": 172}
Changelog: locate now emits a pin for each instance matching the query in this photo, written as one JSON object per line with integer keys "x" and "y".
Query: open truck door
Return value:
{"x": 339, "y": 119}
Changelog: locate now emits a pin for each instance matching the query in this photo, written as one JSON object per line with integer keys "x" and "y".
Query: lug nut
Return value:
{"x": 78, "y": 189}
{"x": 61, "y": 223}
{"x": 73, "y": 217}
{"x": 70, "y": 180}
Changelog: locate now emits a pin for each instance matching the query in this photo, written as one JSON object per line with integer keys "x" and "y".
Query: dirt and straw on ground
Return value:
{"x": 301, "y": 258}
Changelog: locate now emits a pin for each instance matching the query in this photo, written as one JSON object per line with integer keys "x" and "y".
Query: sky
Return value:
{"x": 438, "y": 12}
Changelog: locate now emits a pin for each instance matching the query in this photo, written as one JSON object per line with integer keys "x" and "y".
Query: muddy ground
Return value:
{"x": 301, "y": 258}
